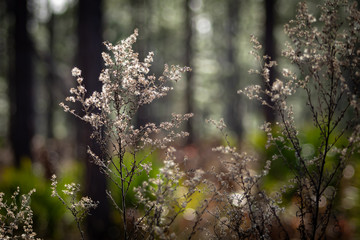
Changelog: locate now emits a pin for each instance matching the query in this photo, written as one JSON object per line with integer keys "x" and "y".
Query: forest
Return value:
{"x": 179, "y": 119}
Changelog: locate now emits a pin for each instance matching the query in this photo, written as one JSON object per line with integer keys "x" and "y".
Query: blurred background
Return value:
{"x": 42, "y": 40}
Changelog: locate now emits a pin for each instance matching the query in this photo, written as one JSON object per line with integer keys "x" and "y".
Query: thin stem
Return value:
{"x": 330, "y": 113}
{"x": 79, "y": 227}
{"x": 123, "y": 194}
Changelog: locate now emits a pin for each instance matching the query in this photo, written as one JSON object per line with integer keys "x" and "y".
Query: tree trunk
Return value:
{"x": 50, "y": 78}
{"x": 232, "y": 100}
{"x": 141, "y": 14}
{"x": 189, "y": 90}
{"x": 270, "y": 50}
{"x": 90, "y": 62}
{"x": 21, "y": 81}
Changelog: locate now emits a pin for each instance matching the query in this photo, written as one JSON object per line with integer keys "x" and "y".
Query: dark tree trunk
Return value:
{"x": 270, "y": 50}
{"x": 50, "y": 78}
{"x": 3, "y": 39}
{"x": 90, "y": 62}
{"x": 232, "y": 100}
{"x": 21, "y": 81}
{"x": 189, "y": 90}
{"x": 141, "y": 17}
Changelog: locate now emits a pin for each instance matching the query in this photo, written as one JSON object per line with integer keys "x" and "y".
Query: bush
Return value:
{"x": 230, "y": 201}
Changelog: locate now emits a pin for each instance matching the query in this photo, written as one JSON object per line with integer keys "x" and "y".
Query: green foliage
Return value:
{"x": 147, "y": 157}
{"x": 280, "y": 173}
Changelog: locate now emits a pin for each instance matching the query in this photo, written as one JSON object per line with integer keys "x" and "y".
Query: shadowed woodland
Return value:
{"x": 279, "y": 160}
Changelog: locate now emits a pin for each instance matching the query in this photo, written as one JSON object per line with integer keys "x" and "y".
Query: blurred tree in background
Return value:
{"x": 41, "y": 40}
{"x": 270, "y": 48}
{"x": 189, "y": 53}
{"x": 20, "y": 80}
{"x": 89, "y": 49}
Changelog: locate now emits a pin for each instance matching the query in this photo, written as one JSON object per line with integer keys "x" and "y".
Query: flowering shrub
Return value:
{"x": 78, "y": 208}
{"x": 162, "y": 199}
{"x": 16, "y": 219}
{"x": 126, "y": 86}
{"x": 243, "y": 210}
{"x": 325, "y": 54}
{"x": 324, "y": 50}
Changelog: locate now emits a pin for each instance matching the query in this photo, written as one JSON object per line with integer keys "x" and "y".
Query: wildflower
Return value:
{"x": 277, "y": 85}
{"x": 16, "y": 216}
{"x": 126, "y": 86}
{"x": 76, "y": 72}
{"x": 321, "y": 53}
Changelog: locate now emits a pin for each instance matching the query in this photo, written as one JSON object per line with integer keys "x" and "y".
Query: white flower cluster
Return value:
{"x": 325, "y": 51}
{"x": 126, "y": 86}
{"x": 243, "y": 210}
{"x": 16, "y": 217}
{"x": 78, "y": 208}
{"x": 165, "y": 198}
